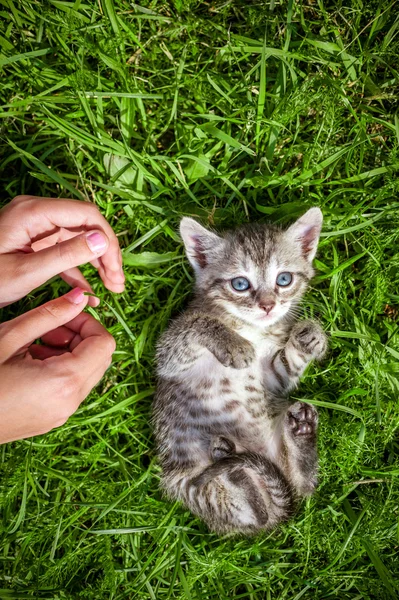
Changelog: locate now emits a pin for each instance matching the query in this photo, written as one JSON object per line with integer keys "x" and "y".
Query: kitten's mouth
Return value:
{"x": 269, "y": 319}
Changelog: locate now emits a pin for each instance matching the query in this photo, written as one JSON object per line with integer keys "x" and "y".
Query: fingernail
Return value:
{"x": 75, "y": 296}
{"x": 96, "y": 242}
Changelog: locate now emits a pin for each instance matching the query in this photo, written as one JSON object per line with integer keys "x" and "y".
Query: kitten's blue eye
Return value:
{"x": 284, "y": 279}
{"x": 240, "y": 284}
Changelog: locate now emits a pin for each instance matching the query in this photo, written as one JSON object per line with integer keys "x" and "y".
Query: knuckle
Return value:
{"x": 68, "y": 395}
{"x": 52, "y": 309}
{"x": 21, "y": 204}
{"x": 68, "y": 252}
{"x": 93, "y": 213}
{"x": 93, "y": 208}
{"x": 22, "y": 198}
{"x": 35, "y": 207}
{"x": 15, "y": 209}
{"x": 69, "y": 378}
{"x": 69, "y": 389}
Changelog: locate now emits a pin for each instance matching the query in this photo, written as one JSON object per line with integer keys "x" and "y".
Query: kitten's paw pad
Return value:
{"x": 221, "y": 447}
{"x": 238, "y": 356}
{"x": 309, "y": 338}
{"x": 302, "y": 419}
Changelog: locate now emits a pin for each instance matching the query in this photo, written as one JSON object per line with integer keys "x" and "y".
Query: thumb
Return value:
{"x": 42, "y": 265}
{"x": 19, "y": 333}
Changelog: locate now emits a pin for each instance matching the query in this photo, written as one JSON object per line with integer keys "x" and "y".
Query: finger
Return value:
{"x": 93, "y": 353}
{"x": 21, "y": 332}
{"x": 60, "y": 337}
{"x": 38, "y": 267}
{"x": 86, "y": 325}
{"x": 118, "y": 288}
{"x": 75, "y": 279}
{"x": 93, "y": 379}
{"x": 43, "y": 352}
{"x": 35, "y": 216}
{"x": 72, "y": 276}
{"x": 96, "y": 262}
{"x": 75, "y": 342}
{"x": 61, "y": 235}
{"x": 97, "y": 344}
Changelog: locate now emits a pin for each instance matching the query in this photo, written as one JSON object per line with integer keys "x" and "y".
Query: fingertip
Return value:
{"x": 76, "y": 296}
{"x": 116, "y": 277}
{"x": 117, "y": 288}
{"x": 120, "y": 276}
{"x": 94, "y": 301}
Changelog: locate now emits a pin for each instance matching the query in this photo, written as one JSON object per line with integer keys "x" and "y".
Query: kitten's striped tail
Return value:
{"x": 243, "y": 493}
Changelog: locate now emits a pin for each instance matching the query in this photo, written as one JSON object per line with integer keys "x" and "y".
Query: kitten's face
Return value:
{"x": 257, "y": 272}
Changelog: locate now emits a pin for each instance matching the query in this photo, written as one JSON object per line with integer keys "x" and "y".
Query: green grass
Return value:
{"x": 232, "y": 111}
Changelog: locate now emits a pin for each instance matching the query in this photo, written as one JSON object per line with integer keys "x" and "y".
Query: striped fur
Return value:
{"x": 232, "y": 447}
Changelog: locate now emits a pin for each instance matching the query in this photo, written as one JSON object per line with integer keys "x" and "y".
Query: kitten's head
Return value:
{"x": 256, "y": 272}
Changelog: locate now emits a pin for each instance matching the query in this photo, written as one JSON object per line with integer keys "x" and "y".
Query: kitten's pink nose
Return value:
{"x": 267, "y": 306}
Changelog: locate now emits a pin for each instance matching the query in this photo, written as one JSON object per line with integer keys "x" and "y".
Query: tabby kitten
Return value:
{"x": 232, "y": 446}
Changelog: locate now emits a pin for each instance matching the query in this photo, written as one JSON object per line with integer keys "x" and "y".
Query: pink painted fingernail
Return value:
{"x": 96, "y": 241}
{"x": 75, "y": 296}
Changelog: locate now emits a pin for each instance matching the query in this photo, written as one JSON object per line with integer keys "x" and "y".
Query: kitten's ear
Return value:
{"x": 306, "y": 232}
{"x": 199, "y": 242}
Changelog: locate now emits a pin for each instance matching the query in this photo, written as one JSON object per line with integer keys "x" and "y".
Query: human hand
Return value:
{"x": 42, "y": 386}
{"x": 44, "y": 237}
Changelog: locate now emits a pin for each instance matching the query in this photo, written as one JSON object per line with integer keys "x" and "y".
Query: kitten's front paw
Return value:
{"x": 309, "y": 338}
{"x": 238, "y": 355}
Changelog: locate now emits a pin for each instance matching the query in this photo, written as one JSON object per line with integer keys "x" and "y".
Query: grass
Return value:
{"x": 232, "y": 111}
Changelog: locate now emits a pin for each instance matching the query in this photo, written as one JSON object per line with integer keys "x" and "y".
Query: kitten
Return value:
{"x": 232, "y": 447}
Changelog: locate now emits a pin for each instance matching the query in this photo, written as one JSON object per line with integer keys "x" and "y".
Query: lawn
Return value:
{"x": 229, "y": 110}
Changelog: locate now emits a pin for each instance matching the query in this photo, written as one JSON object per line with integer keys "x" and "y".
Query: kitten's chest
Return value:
{"x": 265, "y": 345}
{"x": 221, "y": 386}
{"x": 210, "y": 372}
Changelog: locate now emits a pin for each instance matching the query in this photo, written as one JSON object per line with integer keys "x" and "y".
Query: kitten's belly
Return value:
{"x": 235, "y": 404}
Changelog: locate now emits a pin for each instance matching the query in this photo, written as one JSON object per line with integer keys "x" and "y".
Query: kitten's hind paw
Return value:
{"x": 238, "y": 355}
{"x": 309, "y": 338}
{"x": 221, "y": 447}
{"x": 302, "y": 419}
